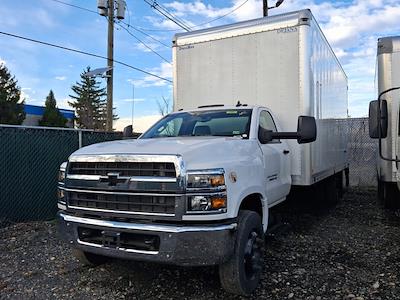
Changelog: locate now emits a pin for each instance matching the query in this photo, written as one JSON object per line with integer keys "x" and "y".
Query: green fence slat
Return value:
{"x": 29, "y": 163}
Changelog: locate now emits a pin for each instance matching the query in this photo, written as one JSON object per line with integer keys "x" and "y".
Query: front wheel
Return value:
{"x": 241, "y": 274}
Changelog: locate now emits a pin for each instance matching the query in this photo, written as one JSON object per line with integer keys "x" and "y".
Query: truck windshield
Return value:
{"x": 232, "y": 122}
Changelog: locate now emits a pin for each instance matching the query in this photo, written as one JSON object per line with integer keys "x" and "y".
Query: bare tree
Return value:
{"x": 164, "y": 106}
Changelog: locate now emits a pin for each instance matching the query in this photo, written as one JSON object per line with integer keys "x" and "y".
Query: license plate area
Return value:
{"x": 119, "y": 240}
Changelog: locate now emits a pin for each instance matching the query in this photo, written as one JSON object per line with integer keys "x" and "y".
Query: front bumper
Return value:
{"x": 179, "y": 245}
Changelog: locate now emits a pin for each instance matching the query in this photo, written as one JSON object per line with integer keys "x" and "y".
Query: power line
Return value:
{"x": 134, "y": 27}
{"x": 223, "y": 16}
{"x": 76, "y": 6}
{"x": 146, "y": 34}
{"x": 84, "y": 53}
{"x": 166, "y": 14}
{"x": 182, "y": 21}
{"x": 157, "y": 30}
{"x": 127, "y": 24}
{"x": 143, "y": 43}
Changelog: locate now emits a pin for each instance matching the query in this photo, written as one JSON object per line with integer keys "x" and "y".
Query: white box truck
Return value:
{"x": 197, "y": 187}
{"x": 388, "y": 174}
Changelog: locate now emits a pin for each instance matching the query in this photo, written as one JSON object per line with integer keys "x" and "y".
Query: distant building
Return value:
{"x": 34, "y": 114}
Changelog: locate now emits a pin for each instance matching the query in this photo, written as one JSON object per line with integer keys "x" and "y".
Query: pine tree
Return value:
{"x": 52, "y": 116}
{"x": 90, "y": 103}
{"x": 11, "y": 106}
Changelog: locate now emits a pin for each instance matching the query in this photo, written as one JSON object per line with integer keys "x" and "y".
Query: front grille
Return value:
{"x": 123, "y": 203}
{"x": 156, "y": 169}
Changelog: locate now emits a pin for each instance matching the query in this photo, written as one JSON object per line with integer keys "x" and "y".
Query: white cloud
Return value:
{"x": 162, "y": 23}
{"x": 135, "y": 100}
{"x": 164, "y": 71}
{"x": 60, "y": 78}
{"x": 150, "y": 45}
{"x": 140, "y": 124}
{"x": 63, "y": 103}
{"x": 38, "y": 17}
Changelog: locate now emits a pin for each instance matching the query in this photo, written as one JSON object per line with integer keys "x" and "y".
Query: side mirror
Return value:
{"x": 306, "y": 132}
{"x": 128, "y": 132}
{"x": 306, "y": 129}
{"x": 264, "y": 135}
{"x": 374, "y": 121}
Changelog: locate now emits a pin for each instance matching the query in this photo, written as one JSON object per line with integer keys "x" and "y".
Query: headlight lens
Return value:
{"x": 61, "y": 172}
{"x": 206, "y": 181}
{"x": 206, "y": 203}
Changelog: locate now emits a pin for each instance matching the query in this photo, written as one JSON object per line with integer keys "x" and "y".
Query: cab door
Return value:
{"x": 276, "y": 157}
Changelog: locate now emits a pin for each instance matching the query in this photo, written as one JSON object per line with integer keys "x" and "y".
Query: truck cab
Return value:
{"x": 195, "y": 189}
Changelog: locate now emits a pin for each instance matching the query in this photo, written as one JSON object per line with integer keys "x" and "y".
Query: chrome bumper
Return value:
{"x": 178, "y": 244}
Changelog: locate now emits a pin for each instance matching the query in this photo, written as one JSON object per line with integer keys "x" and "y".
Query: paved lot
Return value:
{"x": 350, "y": 251}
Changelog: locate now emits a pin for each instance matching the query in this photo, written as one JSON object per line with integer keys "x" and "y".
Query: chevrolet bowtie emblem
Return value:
{"x": 112, "y": 178}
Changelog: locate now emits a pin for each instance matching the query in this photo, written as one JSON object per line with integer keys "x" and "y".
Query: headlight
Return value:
{"x": 61, "y": 172}
{"x": 207, "y": 179}
{"x": 207, "y": 191}
{"x": 207, "y": 203}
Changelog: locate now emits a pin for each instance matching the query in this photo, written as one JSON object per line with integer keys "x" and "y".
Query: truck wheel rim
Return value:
{"x": 252, "y": 256}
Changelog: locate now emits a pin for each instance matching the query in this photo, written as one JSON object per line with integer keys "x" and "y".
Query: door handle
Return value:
{"x": 286, "y": 151}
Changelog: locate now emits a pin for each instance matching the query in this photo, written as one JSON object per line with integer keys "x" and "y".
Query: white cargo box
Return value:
{"x": 283, "y": 62}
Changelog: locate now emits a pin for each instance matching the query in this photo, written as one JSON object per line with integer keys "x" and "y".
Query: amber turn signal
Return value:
{"x": 217, "y": 180}
{"x": 217, "y": 203}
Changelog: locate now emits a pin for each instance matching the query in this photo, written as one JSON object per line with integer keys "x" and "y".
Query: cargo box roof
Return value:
{"x": 246, "y": 27}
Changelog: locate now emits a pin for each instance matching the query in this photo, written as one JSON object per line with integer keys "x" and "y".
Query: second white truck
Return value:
{"x": 388, "y": 172}
{"x": 197, "y": 187}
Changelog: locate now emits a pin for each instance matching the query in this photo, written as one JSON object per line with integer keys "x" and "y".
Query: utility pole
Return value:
{"x": 106, "y": 9}
{"x": 110, "y": 63}
{"x": 265, "y": 8}
{"x": 133, "y": 101}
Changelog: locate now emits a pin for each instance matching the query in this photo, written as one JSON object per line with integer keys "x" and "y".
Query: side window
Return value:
{"x": 266, "y": 122}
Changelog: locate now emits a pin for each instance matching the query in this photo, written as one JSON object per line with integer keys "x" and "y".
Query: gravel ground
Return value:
{"x": 350, "y": 251}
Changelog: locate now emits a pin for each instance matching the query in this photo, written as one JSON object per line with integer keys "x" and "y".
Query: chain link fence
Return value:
{"x": 29, "y": 161}
{"x": 363, "y": 153}
{"x": 30, "y": 158}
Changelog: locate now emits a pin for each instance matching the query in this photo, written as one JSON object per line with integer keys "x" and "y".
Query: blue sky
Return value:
{"x": 352, "y": 28}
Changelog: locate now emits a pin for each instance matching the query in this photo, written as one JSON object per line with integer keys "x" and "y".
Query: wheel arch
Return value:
{"x": 255, "y": 202}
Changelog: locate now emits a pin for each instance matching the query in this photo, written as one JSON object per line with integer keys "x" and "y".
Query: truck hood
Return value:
{"x": 194, "y": 150}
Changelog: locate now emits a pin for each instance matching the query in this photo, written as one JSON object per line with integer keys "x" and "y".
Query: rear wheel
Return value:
{"x": 89, "y": 259}
{"x": 390, "y": 195}
{"x": 331, "y": 194}
{"x": 340, "y": 184}
{"x": 241, "y": 274}
{"x": 380, "y": 191}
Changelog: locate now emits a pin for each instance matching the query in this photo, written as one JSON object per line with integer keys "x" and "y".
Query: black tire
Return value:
{"x": 89, "y": 259}
{"x": 241, "y": 274}
{"x": 340, "y": 184}
{"x": 331, "y": 194}
{"x": 390, "y": 195}
{"x": 380, "y": 192}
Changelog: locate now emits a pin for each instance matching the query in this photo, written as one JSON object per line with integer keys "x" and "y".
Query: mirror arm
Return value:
{"x": 379, "y": 125}
{"x": 284, "y": 135}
